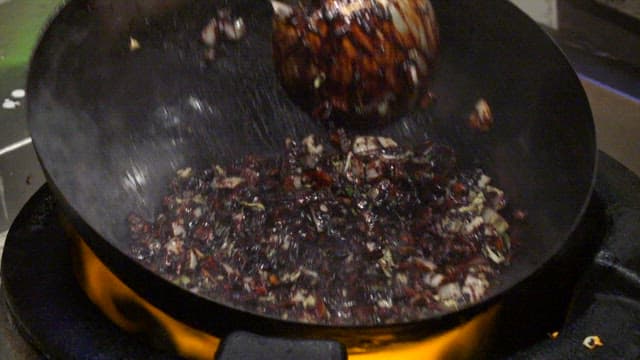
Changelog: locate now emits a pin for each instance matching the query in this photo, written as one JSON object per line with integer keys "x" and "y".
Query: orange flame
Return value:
{"x": 109, "y": 293}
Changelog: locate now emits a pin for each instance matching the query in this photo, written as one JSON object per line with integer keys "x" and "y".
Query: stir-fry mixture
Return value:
{"x": 357, "y": 231}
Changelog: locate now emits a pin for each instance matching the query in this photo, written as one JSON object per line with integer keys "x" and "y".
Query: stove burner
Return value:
{"x": 54, "y": 314}
{"x": 44, "y": 299}
{"x": 48, "y": 322}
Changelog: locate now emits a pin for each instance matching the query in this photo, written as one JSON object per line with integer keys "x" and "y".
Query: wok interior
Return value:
{"x": 111, "y": 126}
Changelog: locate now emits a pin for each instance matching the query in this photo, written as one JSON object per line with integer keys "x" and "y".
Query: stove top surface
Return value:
{"x": 49, "y": 310}
{"x": 611, "y": 276}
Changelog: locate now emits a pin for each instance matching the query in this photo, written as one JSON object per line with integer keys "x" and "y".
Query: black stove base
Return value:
{"x": 598, "y": 274}
{"x": 604, "y": 299}
{"x": 46, "y": 303}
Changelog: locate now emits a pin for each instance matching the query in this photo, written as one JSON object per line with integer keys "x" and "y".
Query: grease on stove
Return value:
{"x": 354, "y": 231}
{"x": 592, "y": 342}
{"x": 18, "y": 93}
{"x": 9, "y": 104}
{"x": 13, "y": 102}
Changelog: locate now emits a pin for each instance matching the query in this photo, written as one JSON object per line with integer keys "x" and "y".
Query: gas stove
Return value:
{"x": 587, "y": 308}
{"x": 583, "y": 308}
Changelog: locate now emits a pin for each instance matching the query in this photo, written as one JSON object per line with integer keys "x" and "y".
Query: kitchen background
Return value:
{"x": 600, "y": 37}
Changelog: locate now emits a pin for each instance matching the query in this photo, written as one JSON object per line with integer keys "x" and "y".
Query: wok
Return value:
{"x": 111, "y": 125}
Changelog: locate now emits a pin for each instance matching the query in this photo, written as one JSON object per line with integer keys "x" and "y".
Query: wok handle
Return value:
{"x": 249, "y": 346}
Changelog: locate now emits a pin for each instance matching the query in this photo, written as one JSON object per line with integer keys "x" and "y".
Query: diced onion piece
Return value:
{"x": 433, "y": 279}
{"x": 492, "y": 217}
{"x": 496, "y": 257}
{"x": 474, "y": 287}
{"x": 133, "y": 44}
{"x": 174, "y": 246}
{"x": 365, "y": 144}
{"x": 387, "y": 142}
{"x": 483, "y": 181}
{"x": 193, "y": 260}
{"x": 228, "y": 269}
{"x": 228, "y": 182}
{"x": 449, "y": 291}
{"x": 402, "y": 278}
{"x": 425, "y": 264}
{"x": 298, "y": 297}
{"x": 385, "y": 303}
{"x": 310, "y": 145}
{"x": 209, "y": 33}
{"x": 483, "y": 109}
{"x": 178, "y": 230}
{"x": 254, "y": 205}
{"x": 309, "y": 301}
{"x": 476, "y": 205}
{"x": 473, "y": 224}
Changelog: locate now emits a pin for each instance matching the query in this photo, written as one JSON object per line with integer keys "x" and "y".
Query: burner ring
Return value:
{"x": 50, "y": 308}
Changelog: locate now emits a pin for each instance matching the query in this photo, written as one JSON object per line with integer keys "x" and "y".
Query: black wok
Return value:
{"x": 111, "y": 126}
